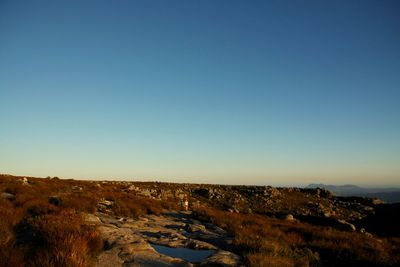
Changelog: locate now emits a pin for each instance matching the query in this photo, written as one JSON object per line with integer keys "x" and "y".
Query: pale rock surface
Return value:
{"x": 128, "y": 241}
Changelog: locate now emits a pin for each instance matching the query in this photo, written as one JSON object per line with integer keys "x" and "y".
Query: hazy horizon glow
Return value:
{"x": 230, "y": 92}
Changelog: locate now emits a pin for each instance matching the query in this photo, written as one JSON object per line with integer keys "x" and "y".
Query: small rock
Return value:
{"x": 289, "y": 217}
{"x": 377, "y": 201}
{"x": 24, "y": 181}
{"x": 7, "y": 196}
{"x": 106, "y": 203}
{"x": 222, "y": 258}
{"x": 91, "y": 218}
{"x": 191, "y": 228}
{"x": 133, "y": 188}
{"x": 327, "y": 214}
{"x": 77, "y": 188}
{"x": 345, "y": 226}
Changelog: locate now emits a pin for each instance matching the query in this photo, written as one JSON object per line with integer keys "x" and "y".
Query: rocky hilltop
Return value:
{"x": 119, "y": 223}
{"x": 313, "y": 205}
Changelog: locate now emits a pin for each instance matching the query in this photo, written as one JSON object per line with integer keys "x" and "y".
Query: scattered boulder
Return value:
{"x": 345, "y": 226}
{"x": 285, "y": 216}
{"x": 133, "y": 188}
{"x": 327, "y": 214}
{"x": 377, "y": 201}
{"x": 191, "y": 228}
{"x": 105, "y": 205}
{"x": 289, "y": 217}
{"x": 24, "y": 181}
{"x": 8, "y": 196}
{"x": 145, "y": 193}
{"x": 271, "y": 192}
{"x": 223, "y": 259}
{"x": 91, "y": 218}
{"x": 77, "y": 188}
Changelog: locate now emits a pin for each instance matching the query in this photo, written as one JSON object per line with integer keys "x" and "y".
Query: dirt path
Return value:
{"x": 129, "y": 241}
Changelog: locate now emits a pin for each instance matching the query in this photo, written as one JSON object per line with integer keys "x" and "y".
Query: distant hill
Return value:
{"x": 389, "y": 195}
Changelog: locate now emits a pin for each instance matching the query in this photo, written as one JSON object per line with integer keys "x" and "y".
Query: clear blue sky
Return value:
{"x": 240, "y": 92}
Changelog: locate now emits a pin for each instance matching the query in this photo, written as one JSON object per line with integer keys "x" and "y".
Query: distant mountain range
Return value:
{"x": 389, "y": 195}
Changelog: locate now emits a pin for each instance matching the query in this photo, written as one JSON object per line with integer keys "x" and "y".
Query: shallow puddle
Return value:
{"x": 190, "y": 255}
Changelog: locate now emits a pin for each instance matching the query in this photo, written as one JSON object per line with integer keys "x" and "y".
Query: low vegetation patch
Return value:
{"x": 42, "y": 220}
{"x": 42, "y": 223}
{"x": 264, "y": 241}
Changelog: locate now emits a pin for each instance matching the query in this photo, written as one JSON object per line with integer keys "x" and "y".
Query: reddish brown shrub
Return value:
{"x": 270, "y": 242}
{"x": 57, "y": 240}
{"x": 9, "y": 256}
{"x": 79, "y": 202}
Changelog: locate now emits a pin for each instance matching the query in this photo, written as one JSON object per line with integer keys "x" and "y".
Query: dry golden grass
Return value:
{"x": 43, "y": 226}
{"x": 9, "y": 218}
{"x": 34, "y": 232}
{"x": 270, "y": 242}
{"x": 60, "y": 239}
{"x": 264, "y": 260}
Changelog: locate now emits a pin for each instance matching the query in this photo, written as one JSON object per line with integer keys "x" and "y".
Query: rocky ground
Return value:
{"x": 140, "y": 226}
{"x": 129, "y": 241}
{"x": 315, "y": 206}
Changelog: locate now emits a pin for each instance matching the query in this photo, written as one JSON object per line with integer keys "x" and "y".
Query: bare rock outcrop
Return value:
{"x": 131, "y": 242}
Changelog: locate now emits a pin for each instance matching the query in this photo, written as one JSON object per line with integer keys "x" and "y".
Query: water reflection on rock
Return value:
{"x": 190, "y": 255}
